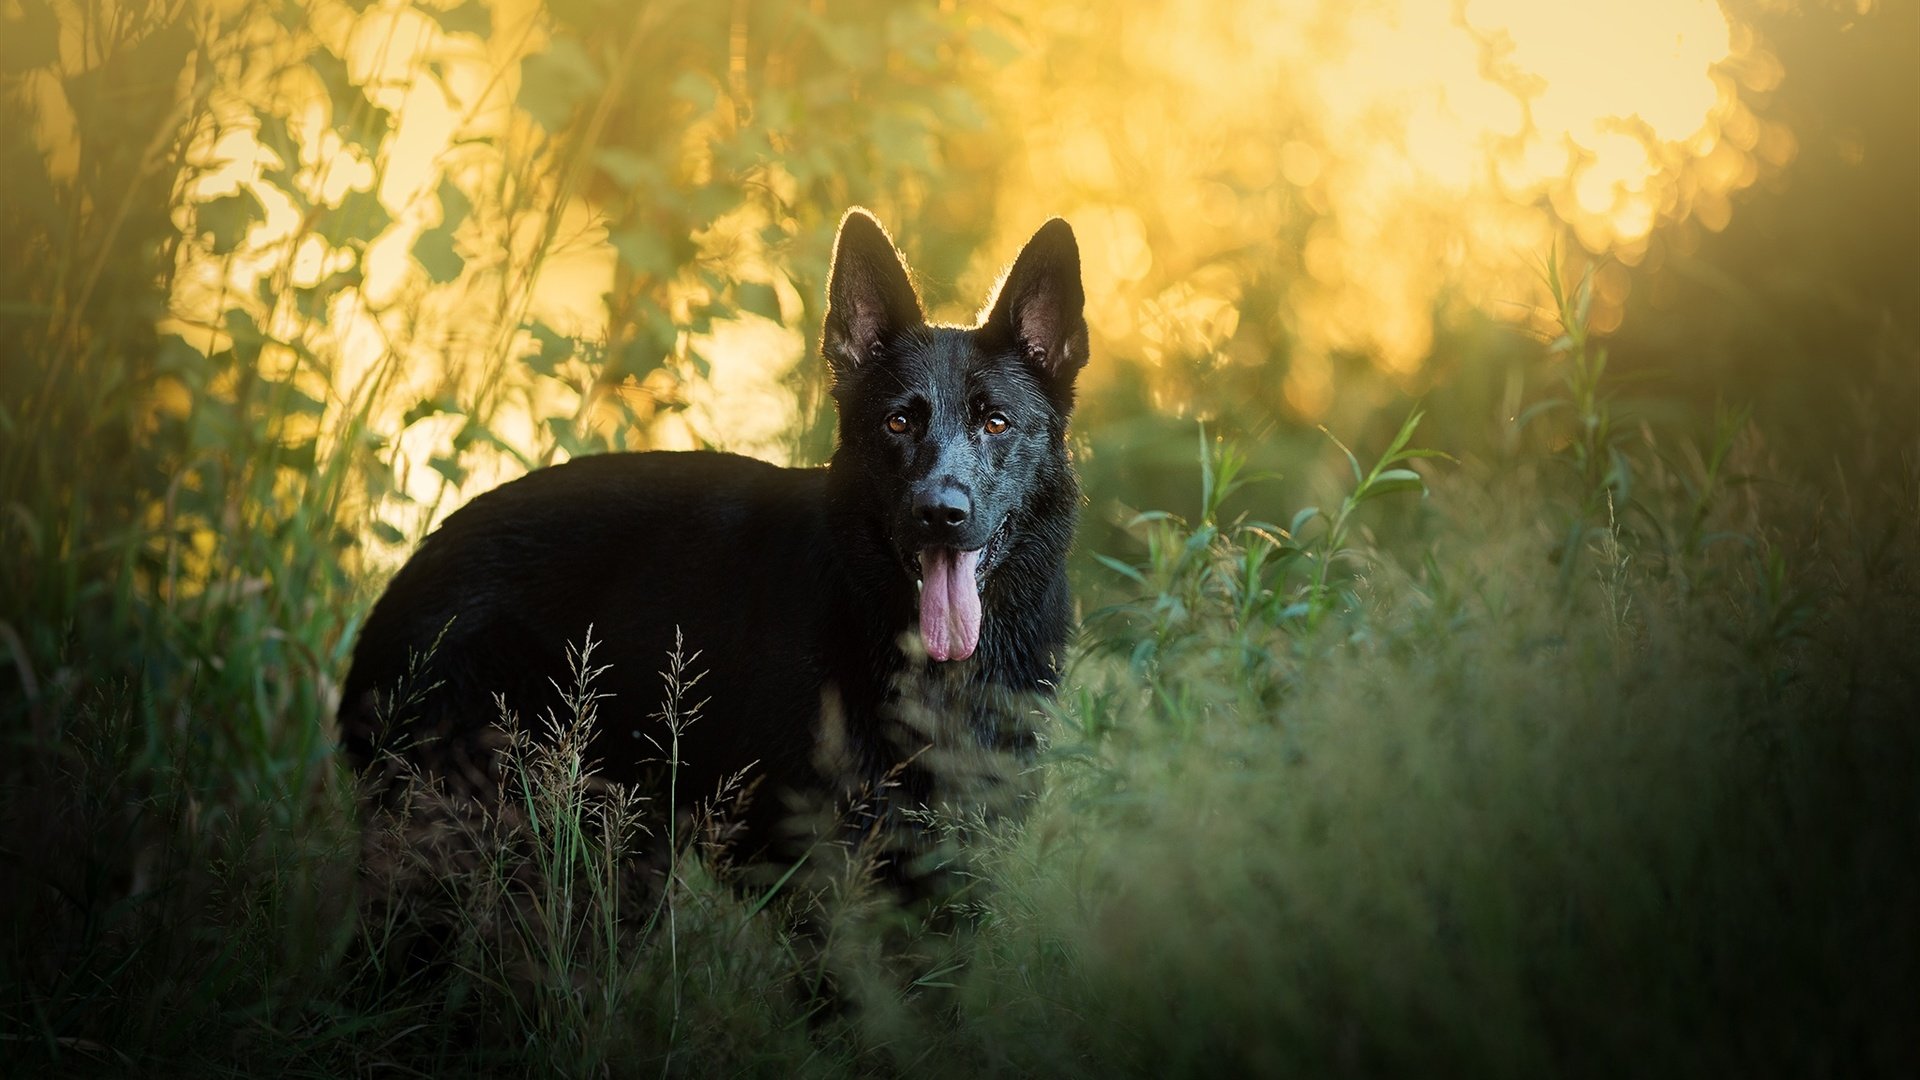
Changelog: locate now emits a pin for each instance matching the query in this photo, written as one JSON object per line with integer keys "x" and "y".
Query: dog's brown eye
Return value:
{"x": 996, "y": 424}
{"x": 897, "y": 423}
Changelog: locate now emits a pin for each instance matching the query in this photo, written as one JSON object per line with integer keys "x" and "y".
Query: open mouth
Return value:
{"x": 950, "y": 583}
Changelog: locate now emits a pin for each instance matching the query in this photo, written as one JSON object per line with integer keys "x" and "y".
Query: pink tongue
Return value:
{"x": 949, "y": 602}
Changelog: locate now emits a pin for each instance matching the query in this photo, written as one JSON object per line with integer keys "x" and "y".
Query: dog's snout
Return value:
{"x": 941, "y": 509}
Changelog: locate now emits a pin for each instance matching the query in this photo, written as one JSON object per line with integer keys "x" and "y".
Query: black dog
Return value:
{"x": 910, "y": 595}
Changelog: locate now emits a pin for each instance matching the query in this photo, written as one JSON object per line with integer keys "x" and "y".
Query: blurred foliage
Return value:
{"x": 219, "y": 354}
{"x": 1799, "y": 307}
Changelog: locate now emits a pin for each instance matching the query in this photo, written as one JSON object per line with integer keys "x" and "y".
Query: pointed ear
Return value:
{"x": 1040, "y": 305}
{"x": 869, "y": 298}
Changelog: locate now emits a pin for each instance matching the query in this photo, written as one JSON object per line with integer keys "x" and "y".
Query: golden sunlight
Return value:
{"x": 1431, "y": 152}
{"x": 1408, "y": 158}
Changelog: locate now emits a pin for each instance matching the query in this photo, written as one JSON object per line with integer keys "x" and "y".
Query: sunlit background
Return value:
{"x": 1276, "y": 200}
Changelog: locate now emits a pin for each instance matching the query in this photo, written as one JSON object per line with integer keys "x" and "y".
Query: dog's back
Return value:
{"x": 731, "y": 551}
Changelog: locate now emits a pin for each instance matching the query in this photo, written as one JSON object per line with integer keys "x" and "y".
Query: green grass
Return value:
{"x": 1312, "y": 804}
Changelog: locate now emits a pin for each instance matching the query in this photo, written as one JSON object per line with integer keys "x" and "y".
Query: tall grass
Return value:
{"x": 1474, "y": 819}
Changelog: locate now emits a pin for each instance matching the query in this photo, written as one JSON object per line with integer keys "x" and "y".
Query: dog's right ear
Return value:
{"x": 869, "y": 298}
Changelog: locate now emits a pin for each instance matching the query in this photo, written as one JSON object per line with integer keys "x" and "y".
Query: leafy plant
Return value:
{"x": 1246, "y": 588}
{"x": 1596, "y": 452}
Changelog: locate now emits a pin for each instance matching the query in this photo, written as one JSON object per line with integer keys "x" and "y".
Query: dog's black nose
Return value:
{"x": 941, "y": 509}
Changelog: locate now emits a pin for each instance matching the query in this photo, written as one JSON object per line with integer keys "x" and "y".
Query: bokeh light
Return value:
{"x": 1380, "y": 169}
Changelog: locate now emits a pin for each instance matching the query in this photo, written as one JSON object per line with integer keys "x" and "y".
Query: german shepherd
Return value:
{"x": 911, "y": 594}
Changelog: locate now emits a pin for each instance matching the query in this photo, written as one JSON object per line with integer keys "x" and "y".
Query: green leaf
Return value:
{"x": 560, "y": 429}
{"x": 1301, "y": 519}
{"x": 228, "y": 218}
{"x": 177, "y": 358}
{"x": 434, "y": 252}
{"x": 1201, "y": 539}
{"x": 644, "y": 251}
{"x": 471, "y": 17}
{"x": 426, "y": 407}
{"x": 767, "y": 897}
{"x": 1401, "y": 438}
{"x": 1121, "y": 568}
{"x": 468, "y": 432}
{"x": 387, "y": 534}
{"x": 354, "y": 115}
{"x": 275, "y": 135}
{"x": 1391, "y": 481}
{"x": 554, "y": 348}
{"x": 637, "y": 358}
{"x": 246, "y": 335}
{"x": 1141, "y": 658}
{"x": 554, "y": 83}
{"x": 434, "y": 249}
{"x": 300, "y": 402}
{"x": 758, "y": 299}
{"x": 300, "y": 457}
{"x": 313, "y": 302}
{"x": 455, "y": 473}
{"x": 702, "y": 367}
{"x": 455, "y": 207}
{"x": 358, "y": 219}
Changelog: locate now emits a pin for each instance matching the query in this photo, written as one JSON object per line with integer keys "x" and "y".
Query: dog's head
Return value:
{"x": 953, "y": 432}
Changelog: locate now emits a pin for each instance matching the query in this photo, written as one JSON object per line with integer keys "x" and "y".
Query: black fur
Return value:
{"x": 797, "y": 586}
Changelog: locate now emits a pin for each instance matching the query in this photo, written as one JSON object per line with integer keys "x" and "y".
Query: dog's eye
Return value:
{"x": 996, "y": 423}
{"x": 897, "y": 423}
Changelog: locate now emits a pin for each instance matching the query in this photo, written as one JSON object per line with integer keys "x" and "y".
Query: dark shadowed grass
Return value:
{"x": 1642, "y": 835}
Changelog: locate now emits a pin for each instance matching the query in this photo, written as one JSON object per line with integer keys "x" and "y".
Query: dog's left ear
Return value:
{"x": 1039, "y": 308}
